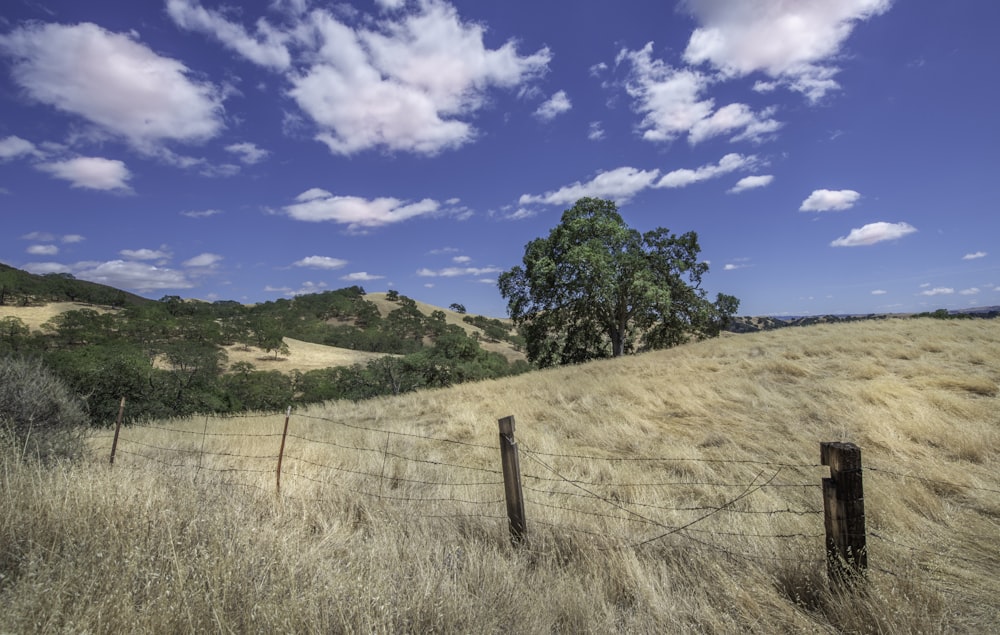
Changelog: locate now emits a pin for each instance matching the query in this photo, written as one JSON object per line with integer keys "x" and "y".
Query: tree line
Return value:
{"x": 168, "y": 357}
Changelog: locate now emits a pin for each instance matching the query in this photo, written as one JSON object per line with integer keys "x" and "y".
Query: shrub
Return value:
{"x": 38, "y": 412}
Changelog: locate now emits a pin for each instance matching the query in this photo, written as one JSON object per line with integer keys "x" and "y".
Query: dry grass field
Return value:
{"x": 669, "y": 492}
{"x": 301, "y": 356}
{"x": 35, "y": 316}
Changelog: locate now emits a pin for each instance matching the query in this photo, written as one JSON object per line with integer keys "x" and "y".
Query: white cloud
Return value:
{"x": 453, "y": 272}
{"x": 42, "y": 268}
{"x": 733, "y": 267}
{"x": 406, "y": 86}
{"x": 974, "y": 256}
{"x": 729, "y": 163}
{"x": 248, "y": 153}
{"x": 134, "y": 275}
{"x": 751, "y": 182}
{"x": 461, "y": 260}
{"x": 829, "y": 200}
{"x": 970, "y": 291}
{"x": 357, "y": 213}
{"x": 672, "y": 104}
{"x": 205, "y": 213}
{"x": 13, "y": 147}
{"x": 874, "y": 233}
{"x": 361, "y": 276}
{"x": 620, "y": 184}
{"x": 145, "y": 254}
{"x": 595, "y": 132}
{"x": 268, "y": 48}
{"x": 113, "y": 81}
{"x": 203, "y": 261}
{"x": 94, "y": 173}
{"x": 72, "y": 238}
{"x": 879, "y": 292}
{"x": 938, "y": 291}
{"x": 554, "y": 106}
{"x": 321, "y": 262}
{"x": 43, "y": 250}
{"x": 792, "y": 42}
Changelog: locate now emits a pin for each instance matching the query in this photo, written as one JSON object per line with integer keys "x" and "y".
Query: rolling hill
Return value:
{"x": 675, "y": 491}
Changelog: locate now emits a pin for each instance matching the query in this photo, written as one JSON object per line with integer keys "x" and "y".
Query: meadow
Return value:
{"x": 674, "y": 491}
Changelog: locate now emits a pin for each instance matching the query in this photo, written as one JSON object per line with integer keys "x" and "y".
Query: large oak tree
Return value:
{"x": 597, "y": 288}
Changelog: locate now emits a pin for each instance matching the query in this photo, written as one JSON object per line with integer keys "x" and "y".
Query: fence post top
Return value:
{"x": 507, "y": 425}
{"x": 839, "y": 455}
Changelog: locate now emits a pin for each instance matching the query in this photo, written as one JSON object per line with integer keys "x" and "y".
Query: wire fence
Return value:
{"x": 770, "y": 511}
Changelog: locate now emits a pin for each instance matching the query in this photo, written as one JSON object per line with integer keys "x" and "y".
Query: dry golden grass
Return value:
{"x": 35, "y": 316}
{"x": 170, "y": 539}
{"x": 301, "y": 356}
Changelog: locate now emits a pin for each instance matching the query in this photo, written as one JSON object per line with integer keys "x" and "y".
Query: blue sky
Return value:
{"x": 834, "y": 156}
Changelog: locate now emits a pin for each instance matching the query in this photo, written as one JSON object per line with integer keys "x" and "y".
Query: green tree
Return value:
{"x": 457, "y": 308}
{"x": 597, "y": 288}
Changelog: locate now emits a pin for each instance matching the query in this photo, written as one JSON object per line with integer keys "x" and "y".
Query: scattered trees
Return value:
{"x": 597, "y": 288}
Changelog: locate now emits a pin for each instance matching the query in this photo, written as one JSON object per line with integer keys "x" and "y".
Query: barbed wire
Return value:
{"x": 666, "y": 459}
{"x": 924, "y": 479}
{"x": 201, "y": 452}
{"x": 411, "y": 499}
{"x": 211, "y": 434}
{"x": 393, "y": 478}
{"x": 398, "y": 433}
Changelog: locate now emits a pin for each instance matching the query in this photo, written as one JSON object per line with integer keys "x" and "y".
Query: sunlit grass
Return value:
{"x": 379, "y": 529}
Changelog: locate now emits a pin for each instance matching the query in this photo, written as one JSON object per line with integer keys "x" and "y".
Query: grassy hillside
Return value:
{"x": 390, "y": 516}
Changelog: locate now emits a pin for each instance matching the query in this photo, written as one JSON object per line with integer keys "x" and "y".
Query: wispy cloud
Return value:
{"x": 975, "y": 256}
{"x": 729, "y": 163}
{"x": 751, "y": 183}
{"x": 93, "y": 173}
{"x": 320, "y": 262}
{"x": 554, "y": 106}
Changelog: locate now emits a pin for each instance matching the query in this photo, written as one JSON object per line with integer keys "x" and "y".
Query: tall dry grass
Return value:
{"x": 379, "y": 528}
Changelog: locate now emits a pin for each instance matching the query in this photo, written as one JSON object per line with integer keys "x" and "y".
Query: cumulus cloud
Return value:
{"x": 42, "y": 250}
{"x": 672, "y": 105}
{"x": 595, "y": 132}
{"x": 874, "y": 233}
{"x": 203, "y": 261}
{"x": 975, "y": 256}
{"x": 361, "y": 276}
{"x": 969, "y": 291}
{"x": 93, "y": 173}
{"x": 317, "y": 205}
{"x": 268, "y": 47}
{"x": 247, "y": 152}
{"x": 145, "y": 254}
{"x": 320, "y": 262}
{"x": 729, "y": 163}
{"x": 620, "y": 184}
{"x": 554, "y": 106}
{"x": 134, "y": 276}
{"x": 142, "y": 97}
{"x": 794, "y": 43}
{"x": 407, "y": 85}
{"x": 751, "y": 183}
{"x": 829, "y": 200}
{"x": 938, "y": 291}
{"x": 13, "y": 147}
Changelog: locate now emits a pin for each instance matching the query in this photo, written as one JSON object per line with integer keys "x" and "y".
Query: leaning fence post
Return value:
{"x": 844, "y": 513}
{"x": 118, "y": 428}
{"x": 512, "y": 480}
{"x": 281, "y": 451}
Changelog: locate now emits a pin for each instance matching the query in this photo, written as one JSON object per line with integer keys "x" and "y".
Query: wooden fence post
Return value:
{"x": 281, "y": 451}
{"x": 118, "y": 428}
{"x": 512, "y": 481}
{"x": 844, "y": 512}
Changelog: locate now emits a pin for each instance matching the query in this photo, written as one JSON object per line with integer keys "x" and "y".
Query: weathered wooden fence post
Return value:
{"x": 844, "y": 511}
{"x": 512, "y": 481}
{"x": 281, "y": 451}
{"x": 118, "y": 428}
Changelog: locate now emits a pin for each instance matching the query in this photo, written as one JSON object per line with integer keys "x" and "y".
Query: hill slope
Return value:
{"x": 670, "y": 492}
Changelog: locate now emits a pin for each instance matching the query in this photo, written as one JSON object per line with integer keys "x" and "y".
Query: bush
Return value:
{"x": 38, "y": 412}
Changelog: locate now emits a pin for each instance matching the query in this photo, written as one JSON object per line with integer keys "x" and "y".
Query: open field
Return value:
{"x": 35, "y": 316}
{"x": 301, "y": 356}
{"x": 675, "y": 491}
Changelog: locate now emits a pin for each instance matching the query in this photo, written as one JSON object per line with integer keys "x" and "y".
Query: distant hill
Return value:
{"x": 20, "y": 288}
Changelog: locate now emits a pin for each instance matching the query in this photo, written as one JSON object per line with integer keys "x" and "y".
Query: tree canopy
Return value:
{"x": 597, "y": 288}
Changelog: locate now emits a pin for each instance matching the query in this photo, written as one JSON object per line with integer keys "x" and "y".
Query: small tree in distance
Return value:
{"x": 457, "y": 308}
{"x": 597, "y": 288}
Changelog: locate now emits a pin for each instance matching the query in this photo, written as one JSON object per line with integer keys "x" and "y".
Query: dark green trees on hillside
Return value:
{"x": 597, "y": 288}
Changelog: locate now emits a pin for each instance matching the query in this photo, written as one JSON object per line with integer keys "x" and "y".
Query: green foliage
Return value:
{"x": 457, "y": 308}
{"x": 22, "y": 288}
{"x": 39, "y": 415}
{"x": 596, "y": 288}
